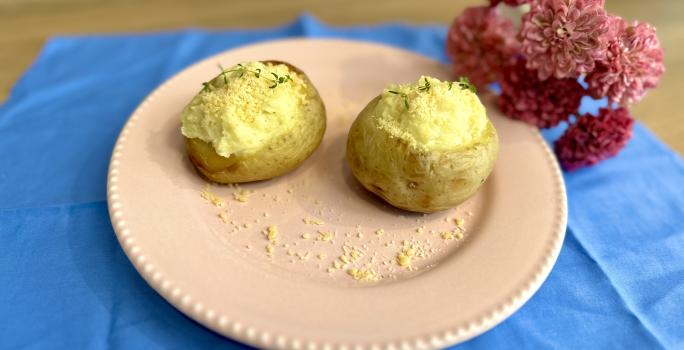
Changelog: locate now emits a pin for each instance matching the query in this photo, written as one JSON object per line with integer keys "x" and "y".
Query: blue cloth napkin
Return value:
{"x": 65, "y": 283}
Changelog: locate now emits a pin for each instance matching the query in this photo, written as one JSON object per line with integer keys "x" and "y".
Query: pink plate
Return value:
{"x": 210, "y": 260}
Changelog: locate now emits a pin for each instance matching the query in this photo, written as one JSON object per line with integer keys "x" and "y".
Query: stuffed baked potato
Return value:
{"x": 423, "y": 147}
{"x": 254, "y": 121}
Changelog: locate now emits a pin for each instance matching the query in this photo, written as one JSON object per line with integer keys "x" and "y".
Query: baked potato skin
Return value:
{"x": 418, "y": 181}
{"x": 283, "y": 154}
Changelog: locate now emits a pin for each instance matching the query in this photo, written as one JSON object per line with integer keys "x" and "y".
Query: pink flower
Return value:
{"x": 509, "y": 2}
{"x": 592, "y": 139}
{"x": 480, "y": 41}
{"x": 543, "y": 103}
{"x": 633, "y": 64}
{"x": 563, "y": 38}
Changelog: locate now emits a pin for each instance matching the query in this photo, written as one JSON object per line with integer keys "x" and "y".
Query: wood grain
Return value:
{"x": 26, "y": 24}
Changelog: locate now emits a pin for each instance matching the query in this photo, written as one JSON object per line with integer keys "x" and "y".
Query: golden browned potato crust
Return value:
{"x": 420, "y": 181}
{"x": 282, "y": 155}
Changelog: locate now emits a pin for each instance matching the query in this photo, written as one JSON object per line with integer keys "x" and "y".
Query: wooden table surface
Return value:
{"x": 26, "y": 24}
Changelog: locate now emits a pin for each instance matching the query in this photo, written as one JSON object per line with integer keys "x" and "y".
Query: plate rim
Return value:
{"x": 235, "y": 330}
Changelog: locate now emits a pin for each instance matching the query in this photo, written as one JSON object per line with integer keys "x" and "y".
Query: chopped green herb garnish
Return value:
{"x": 242, "y": 70}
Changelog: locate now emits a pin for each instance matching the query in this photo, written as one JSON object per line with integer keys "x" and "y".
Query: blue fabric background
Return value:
{"x": 65, "y": 283}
